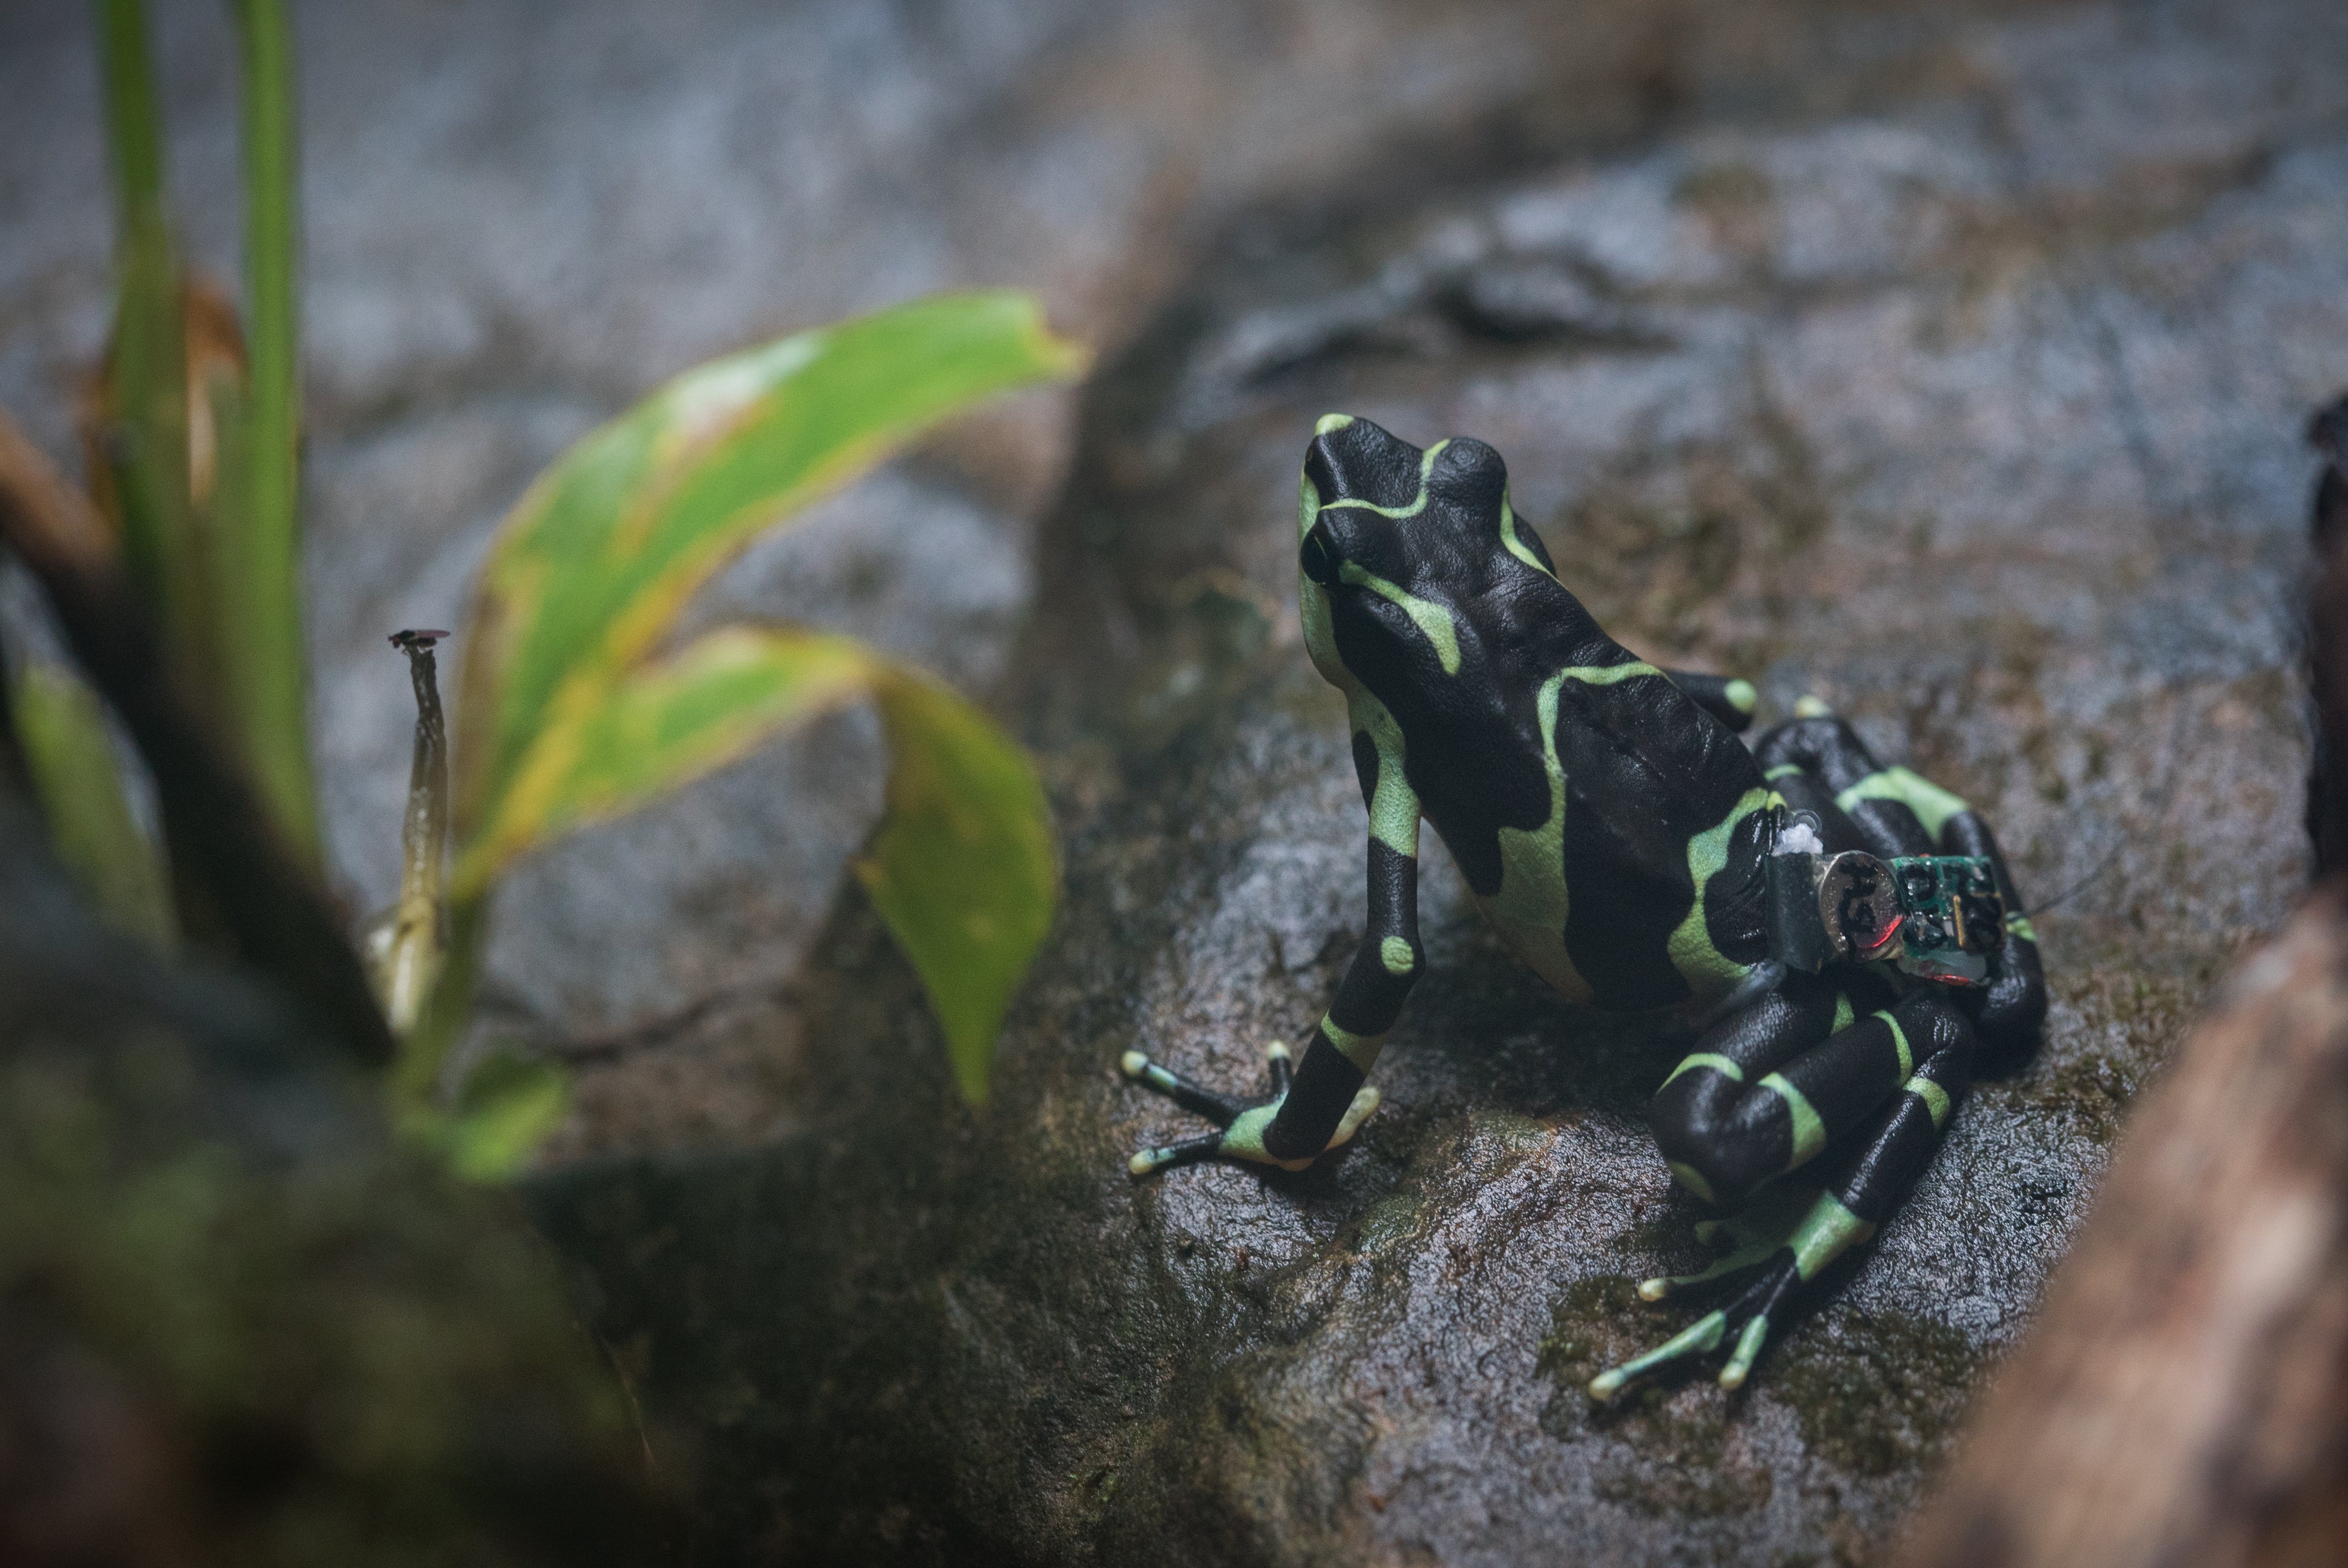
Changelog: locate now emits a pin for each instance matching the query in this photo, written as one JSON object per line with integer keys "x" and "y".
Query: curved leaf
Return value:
{"x": 962, "y": 869}
{"x": 661, "y": 726}
{"x": 603, "y": 551}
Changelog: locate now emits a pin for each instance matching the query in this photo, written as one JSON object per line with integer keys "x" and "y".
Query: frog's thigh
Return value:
{"x": 1727, "y": 698}
{"x": 1821, "y": 760}
{"x": 1767, "y": 1090}
{"x": 2010, "y": 1013}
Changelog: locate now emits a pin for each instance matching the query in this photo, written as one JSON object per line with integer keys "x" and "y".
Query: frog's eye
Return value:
{"x": 1317, "y": 560}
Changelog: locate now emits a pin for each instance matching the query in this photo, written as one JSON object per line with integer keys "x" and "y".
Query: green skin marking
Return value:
{"x": 1431, "y": 619}
{"x": 1515, "y": 544}
{"x": 1809, "y": 1128}
{"x": 1932, "y": 804}
{"x": 1899, "y": 1044}
{"x": 1722, "y": 1065}
{"x": 1361, "y": 1049}
{"x": 1706, "y": 970}
{"x": 1530, "y": 910}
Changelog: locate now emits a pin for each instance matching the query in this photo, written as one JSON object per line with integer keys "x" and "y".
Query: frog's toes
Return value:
{"x": 1148, "y": 1162}
{"x": 1243, "y": 1122}
{"x": 1789, "y": 1233}
{"x": 1699, "y": 1338}
{"x": 1366, "y": 1101}
{"x": 1748, "y": 1317}
{"x": 1191, "y": 1095}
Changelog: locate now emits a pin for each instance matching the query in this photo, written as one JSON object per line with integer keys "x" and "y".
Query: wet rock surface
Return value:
{"x": 1977, "y": 416}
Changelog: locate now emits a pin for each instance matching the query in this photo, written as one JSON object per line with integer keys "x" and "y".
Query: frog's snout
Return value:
{"x": 1353, "y": 462}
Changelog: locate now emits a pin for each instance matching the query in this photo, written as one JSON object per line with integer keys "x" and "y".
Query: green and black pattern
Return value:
{"x": 1615, "y": 829}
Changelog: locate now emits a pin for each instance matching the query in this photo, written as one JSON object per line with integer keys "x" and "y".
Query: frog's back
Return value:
{"x": 1519, "y": 718}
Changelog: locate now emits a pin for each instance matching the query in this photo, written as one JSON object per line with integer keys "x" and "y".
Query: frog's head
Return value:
{"x": 1402, "y": 542}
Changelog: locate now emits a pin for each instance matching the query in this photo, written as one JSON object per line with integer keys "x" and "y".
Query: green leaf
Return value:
{"x": 75, "y": 773}
{"x": 668, "y": 723}
{"x": 602, "y": 553}
{"x": 962, "y": 869}
{"x": 509, "y": 1104}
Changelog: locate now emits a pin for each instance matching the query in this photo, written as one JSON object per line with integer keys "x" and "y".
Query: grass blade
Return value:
{"x": 139, "y": 446}
{"x": 257, "y": 588}
{"x": 70, "y": 756}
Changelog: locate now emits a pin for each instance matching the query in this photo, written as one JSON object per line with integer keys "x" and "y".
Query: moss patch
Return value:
{"x": 1679, "y": 1451}
{"x": 1882, "y": 1394}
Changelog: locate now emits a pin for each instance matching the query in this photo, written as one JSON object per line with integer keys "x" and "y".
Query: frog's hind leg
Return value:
{"x": 1768, "y": 1088}
{"x": 1795, "y": 1230}
{"x": 1821, "y": 765}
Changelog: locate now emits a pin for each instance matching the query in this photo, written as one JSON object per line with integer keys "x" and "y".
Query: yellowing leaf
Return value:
{"x": 665, "y": 725}
{"x": 602, "y": 552}
{"x": 962, "y": 869}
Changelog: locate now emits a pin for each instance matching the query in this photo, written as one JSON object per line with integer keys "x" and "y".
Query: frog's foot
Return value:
{"x": 1774, "y": 1247}
{"x": 1242, "y": 1121}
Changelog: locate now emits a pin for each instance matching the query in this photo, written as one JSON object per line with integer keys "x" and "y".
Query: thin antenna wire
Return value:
{"x": 2101, "y": 866}
{"x": 2166, "y": 791}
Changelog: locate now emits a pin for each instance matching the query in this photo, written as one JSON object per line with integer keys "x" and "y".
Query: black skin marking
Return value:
{"x": 1445, "y": 636}
{"x": 1710, "y": 693}
{"x": 1325, "y": 1084}
{"x": 1372, "y": 996}
{"x": 1627, "y": 872}
{"x": 1476, "y": 751}
{"x": 1882, "y": 1165}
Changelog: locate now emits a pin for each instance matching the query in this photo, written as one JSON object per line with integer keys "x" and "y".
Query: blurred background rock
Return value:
{"x": 520, "y": 217}
{"x": 1949, "y": 360}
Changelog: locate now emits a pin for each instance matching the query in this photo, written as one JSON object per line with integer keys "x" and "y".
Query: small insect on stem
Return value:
{"x": 413, "y": 959}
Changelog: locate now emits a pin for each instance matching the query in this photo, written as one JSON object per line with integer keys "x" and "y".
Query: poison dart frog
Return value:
{"x": 1847, "y": 933}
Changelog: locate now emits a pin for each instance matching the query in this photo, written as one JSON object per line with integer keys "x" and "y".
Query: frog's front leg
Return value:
{"x": 1326, "y": 1099}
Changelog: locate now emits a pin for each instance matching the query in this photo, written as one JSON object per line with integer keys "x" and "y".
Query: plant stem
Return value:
{"x": 415, "y": 952}
{"x": 426, "y": 1048}
{"x": 260, "y": 593}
